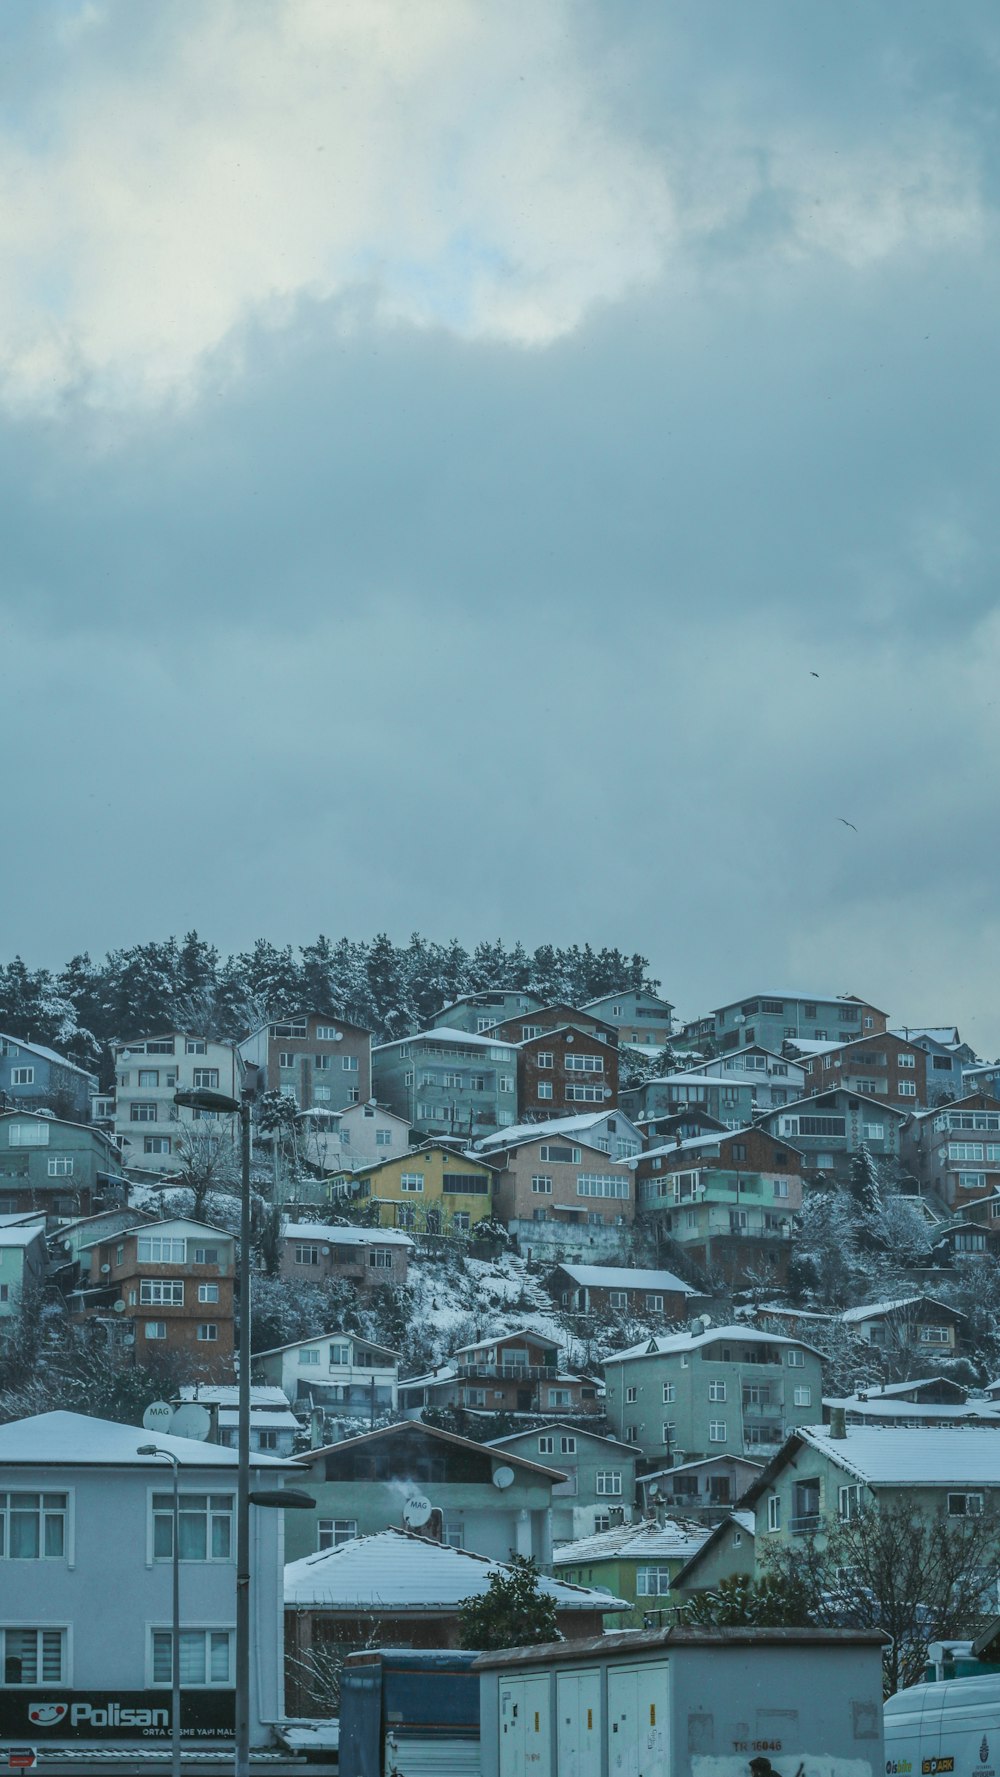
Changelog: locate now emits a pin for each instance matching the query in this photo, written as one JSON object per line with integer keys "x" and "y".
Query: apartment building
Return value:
{"x": 517, "y": 1372}
{"x": 34, "y": 1078}
{"x": 58, "y": 1167}
{"x": 482, "y": 1012}
{"x": 642, "y": 1020}
{"x": 324, "y": 1063}
{"x": 562, "y": 1194}
{"x": 312, "y": 1252}
{"x": 166, "y": 1288}
{"x": 448, "y": 1082}
{"x": 954, "y": 1150}
{"x": 563, "y": 1070}
{"x": 432, "y": 1190}
{"x": 335, "y": 1370}
{"x": 886, "y": 1067}
{"x": 154, "y": 1133}
{"x": 771, "y": 1019}
{"x": 600, "y": 1475}
{"x": 728, "y": 1201}
{"x": 829, "y": 1129}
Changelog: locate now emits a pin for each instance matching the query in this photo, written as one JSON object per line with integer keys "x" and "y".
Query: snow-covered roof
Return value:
{"x": 892, "y": 1390}
{"x": 75, "y": 1440}
{"x": 878, "y": 1406}
{"x": 670, "y": 1343}
{"x": 577, "y": 1125}
{"x": 745, "y": 1522}
{"x": 227, "y": 1394}
{"x": 394, "y": 1570}
{"x": 692, "y": 1144}
{"x": 261, "y": 1420}
{"x": 813, "y": 1046}
{"x": 869, "y": 1310}
{"x": 335, "y": 1333}
{"x": 21, "y": 1233}
{"x": 930, "y": 1456}
{"x": 612, "y": 1277}
{"x": 684, "y": 1468}
{"x": 692, "y": 1078}
{"x": 48, "y": 1055}
{"x": 60, "y": 1123}
{"x": 945, "y": 1034}
{"x": 21, "y": 1219}
{"x": 496, "y": 1339}
{"x": 449, "y": 1038}
{"x": 640, "y": 993}
{"x": 562, "y": 1425}
{"x": 836, "y": 1088}
{"x": 675, "y": 1539}
{"x": 809, "y": 999}
{"x": 337, "y": 1236}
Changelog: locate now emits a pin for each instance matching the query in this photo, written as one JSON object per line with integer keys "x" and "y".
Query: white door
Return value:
{"x": 578, "y": 1723}
{"x": 525, "y": 1727}
{"x": 637, "y": 1721}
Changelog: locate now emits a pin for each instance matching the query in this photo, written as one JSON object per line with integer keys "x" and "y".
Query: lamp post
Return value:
{"x": 175, "y": 1636}
{"x": 202, "y": 1099}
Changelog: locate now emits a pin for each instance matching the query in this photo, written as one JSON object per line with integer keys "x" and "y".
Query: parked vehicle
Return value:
{"x": 949, "y": 1729}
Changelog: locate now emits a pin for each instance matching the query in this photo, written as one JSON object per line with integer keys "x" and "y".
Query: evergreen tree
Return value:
{"x": 514, "y": 1612}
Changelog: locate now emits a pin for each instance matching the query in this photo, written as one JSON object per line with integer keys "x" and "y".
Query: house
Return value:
{"x": 166, "y": 1289}
{"x": 483, "y": 1011}
{"x": 562, "y": 1069}
{"x": 702, "y": 1490}
{"x": 431, "y": 1190}
{"x": 23, "y": 1258}
{"x": 946, "y": 1058}
{"x": 769, "y": 1020}
{"x": 642, "y": 1019}
{"x": 591, "y": 1289}
{"x": 364, "y": 1257}
{"x": 562, "y": 1194}
{"x": 610, "y": 1131}
{"x": 403, "y": 1590}
{"x": 635, "y": 1561}
{"x": 516, "y": 1372}
{"x": 884, "y": 1067}
{"x": 557, "y": 1016}
{"x": 491, "y": 1501}
{"x": 333, "y": 1370}
{"x": 155, "y": 1133}
{"x": 448, "y": 1082}
{"x": 370, "y": 1132}
{"x": 273, "y": 1425}
{"x": 730, "y": 1098}
{"x": 600, "y": 1475}
{"x": 71, "y": 1246}
{"x": 34, "y": 1078}
{"x": 317, "y": 1059}
{"x": 908, "y": 1324}
{"x": 954, "y": 1151}
{"x": 727, "y": 1551}
{"x": 727, "y": 1201}
{"x": 686, "y": 1394}
{"x": 930, "y": 1400}
{"x": 775, "y": 1079}
{"x": 658, "y": 1132}
{"x": 969, "y": 1237}
{"x": 832, "y": 1127}
{"x": 59, "y": 1167}
{"x": 87, "y": 1595}
{"x": 829, "y": 1472}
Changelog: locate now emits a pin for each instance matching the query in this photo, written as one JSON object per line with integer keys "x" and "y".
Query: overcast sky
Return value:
{"x": 439, "y": 445}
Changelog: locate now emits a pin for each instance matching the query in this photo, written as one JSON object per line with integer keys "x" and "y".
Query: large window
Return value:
{"x": 142, "y": 1113}
{"x": 155, "y": 1292}
{"x": 465, "y": 1184}
{"x": 600, "y": 1184}
{"x": 652, "y": 1582}
{"x": 307, "y": 1255}
{"x": 60, "y": 1166}
{"x": 33, "y": 1526}
{"x": 22, "y": 1076}
{"x": 162, "y": 1249}
{"x": 29, "y": 1135}
{"x": 206, "y": 1527}
{"x": 584, "y": 1064}
{"x": 411, "y": 1181}
{"x": 206, "y": 1656}
{"x": 608, "y": 1482}
{"x": 156, "y": 1144}
{"x": 149, "y": 1076}
{"x": 206, "y": 1078}
{"x": 586, "y": 1094}
{"x": 33, "y": 1656}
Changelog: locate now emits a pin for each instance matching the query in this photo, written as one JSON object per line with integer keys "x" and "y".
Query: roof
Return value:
{"x": 578, "y": 1125}
{"x": 394, "y": 1570}
{"x": 368, "y": 1167}
{"x": 683, "y": 1468}
{"x": 868, "y": 1311}
{"x": 670, "y": 1343}
{"x": 930, "y": 1456}
{"x": 610, "y": 1277}
{"x": 713, "y": 1138}
{"x": 640, "y": 993}
{"x": 812, "y": 1045}
{"x": 261, "y": 1420}
{"x": 449, "y": 1037}
{"x": 61, "y": 1123}
{"x": 227, "y": 1394}
{"x": 742, "y": 1521}
{"x": 49, "y": 1055}
{"x": 563, "y": 1425}
{"x": 834, "y": 1090}
{"x": 811, "y": 999}
{"x": 21, "y": 1233}
{"x": 633, "y": 1641}
{"x": 436, "y": 1436}
{"x": 677, "y": 1538}
{"x": 337, "y": 1236}
{"x": 888, "y": 1390}
{"x": 878, "y": 1406}
{"x": 521, "y": 1332}
{"x": 75, "y": 1440}
{"x": 334, "y": 1333}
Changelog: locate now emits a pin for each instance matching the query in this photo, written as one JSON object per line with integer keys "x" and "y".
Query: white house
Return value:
{"x": 340, "y": 1370}
{"x": 152, "y": 1129}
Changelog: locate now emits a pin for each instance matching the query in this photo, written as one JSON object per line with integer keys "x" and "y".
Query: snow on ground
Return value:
{"x": 460, "y": 1304}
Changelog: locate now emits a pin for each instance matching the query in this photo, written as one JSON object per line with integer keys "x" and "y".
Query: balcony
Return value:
{"x": 509, "y": 1372}
{"x": 805, "y": 1524}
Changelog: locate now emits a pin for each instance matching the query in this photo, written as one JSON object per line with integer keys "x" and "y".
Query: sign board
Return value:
{"x": 21, "y": 1758}
{"x": 113, "y": 1715}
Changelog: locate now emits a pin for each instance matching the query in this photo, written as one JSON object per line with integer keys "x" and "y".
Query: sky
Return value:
{"x": 505, "y": 470}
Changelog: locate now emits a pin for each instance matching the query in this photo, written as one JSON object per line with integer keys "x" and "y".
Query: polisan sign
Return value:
{"x": 114, "y": 1715}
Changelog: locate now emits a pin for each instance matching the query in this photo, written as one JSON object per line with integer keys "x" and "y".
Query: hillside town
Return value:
{"x": 652, "y": 1311}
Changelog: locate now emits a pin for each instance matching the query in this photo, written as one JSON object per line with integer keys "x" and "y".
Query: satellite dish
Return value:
{"x": 654, "y": 1491}
{"x": 105, "y": 1269}
{"x": 503, "y": 1477}
{"x": 324, "y": 1250}
{"x": 417, "y": 1509}
{"x": 192, "y": 1421}
{"x": 119, "y": 1307}
{"x": 159, "y": 1416}
{"x": 338, "y": 1036}
{"x": 706, "y": 1321}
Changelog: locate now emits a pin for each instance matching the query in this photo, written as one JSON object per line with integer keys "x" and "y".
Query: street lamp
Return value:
{"x": 175, "y": 1639}
{"x": 202, "y": 1099}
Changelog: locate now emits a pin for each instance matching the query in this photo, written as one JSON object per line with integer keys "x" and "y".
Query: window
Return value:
{"x": 475, "y": 1397}
{"x": 286, "y": 1058}
{"x": 461, "y": 1221}
{"x": 905, "y": 1060}
{"x": 669, "y": 1392}
{"x": 717, "y": 1391}
{"x": 411, "y": 1181}
{"x": 465, "y": 1184}
{"x": 206, "y": 1656}
{"x": 307, "y": 1255}
{"x": 774, "y": 1511}
{"x": 545, "y": 1089}
{"x": 631, "y": 1394}
{"x": 717, "y": 1431}
{"x": 618, "y": 1298}
{"x": 60, "y": 1166}
{"x": 22, "y": 1076}
{"x": 156, "y": 1292}
{"x": 206, "y": 1078}
{"x": 156, "y": 1329}
{"x": 142, "y": 1113}
{"x": 965, "y": 1505}
{"x": 546, "y": 1446}
{"x": 601, "y": 1184}
{"x": 33, "y": 1656}
{"x": 608, "y": 1483}
{"x": 849, "y": 1502}
{"x": 454, "y": 1535}
{"x": 584, "y": 1064}
{"x": 29, "y": 1135}
{"x": 781, "y": 1187}
{"x": 32, "y": 1526}
{"x": 906, "y": 1088}
{"x": 586, "y": 1094}
{"x": 208, "y": 1332}
{"x": 162, "y": 1249}
{"x": 340, "y": 1352}
{"x": 334, "y": 1532}
{"x": 380, "y": 1258}
{"x": 307, "y": 1356}
{"x": 349, "y": 1064}
{"x": 555, "y": 1151}
{"x": 802, "y": 1396}
{"x": 652, "y": 1582}
{"x": 206, "y": 1255}
{"x": 205, "y": 1527}
{"x": 965, "y": 1150}
{"x": 208, "y": 1292}
{"x": 545, "y": 1058}
{"x": 669, "y": 1431}
{"x": 934, "y": 1335}
{"x": 567, "y": 1446}
{"x": 541, "y": 1184}
{"x": 162, "y": 1046}
{"x": 383, "y": 1138}
{"x": 631, "y": 1434}
{"x": 149, "y": 1076}
{"x": 655, "y": 1303}
{"x": 156, "y": 1144}
{"x": 796, "y": 1359}
{"x": 195, "y": 1046}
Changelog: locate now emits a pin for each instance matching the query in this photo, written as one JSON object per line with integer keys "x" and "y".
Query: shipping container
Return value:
{"x": 687, "y": 1703}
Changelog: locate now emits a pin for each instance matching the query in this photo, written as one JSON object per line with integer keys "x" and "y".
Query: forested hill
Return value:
{"x": 86, "y": 1006}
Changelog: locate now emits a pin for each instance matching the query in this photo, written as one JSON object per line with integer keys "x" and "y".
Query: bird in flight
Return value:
{"x": 813, "y": 675}
{"x": 847, "y": 823}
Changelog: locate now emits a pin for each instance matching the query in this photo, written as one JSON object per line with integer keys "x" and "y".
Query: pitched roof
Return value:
{"x": 745, "y": 1522}
{"x": 930, "y": 1456}
{"x": 670, "y": 1343}
{"x": 335, "y": 1333}
{"x": 344, "y": 1236}
{"x": 394, "y": 1570}
{"x": 563, "y": 1425}
{"x": 578, "y": 1125}
{"x": 49, "y": 1055}
{"x": 620, "y": 1277}
{"x": 449, "y": 1037}
{"x": 74, "y": 1440}
{"x": 652, "y": 1541}
{"x": 434, "y": 1433}
{"x": 868, "y": 1310}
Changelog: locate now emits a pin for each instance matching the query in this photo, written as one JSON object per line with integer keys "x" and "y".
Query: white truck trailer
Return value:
{"x": 686, "y": 1702}
{"x": 949, "y": 1729}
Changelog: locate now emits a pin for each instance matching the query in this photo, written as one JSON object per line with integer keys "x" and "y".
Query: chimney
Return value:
{"x": 838, "y": 1422}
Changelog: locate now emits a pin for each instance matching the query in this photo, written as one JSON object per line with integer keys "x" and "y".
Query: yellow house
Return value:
{"x": 432, "y": 1191}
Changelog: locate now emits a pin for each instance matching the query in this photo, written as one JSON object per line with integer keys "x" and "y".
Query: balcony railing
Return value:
{"x": 805, "y": 1524}
{"x": 509, "y": 1372}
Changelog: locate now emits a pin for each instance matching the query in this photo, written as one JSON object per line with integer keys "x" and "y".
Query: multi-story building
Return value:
{"x": 884, "y": 1067}
{"x": 324, "y": 1063}
{"x": 341, "y": 1141}
{"x": 830, "y": 1128}
{"x": 518, "y": 1372}
{"x": 22, "y": 1261}
{"x": 369, "y": 1132}
{"x": 480, "y": 1012}
{"x": 705, "y": 1489}
{"x": 600, "y": 1475}
{"x": 61, "y": 1168}
{"x": 775, "y": 1079}
{"x": 34, "y": 1078}
{"x": 432, "y": 1190}
{"x": 642, "y": 1019}
{"x": 312, "y": 1252}
{"x": 954, "y": 1151}
{"x": 558, "y": 1016}
{"x": 908, "y": 1326}
{"x": 343, "y": 1371}
{"x": 448, "y": 1082}
{"x": 947, "y": 1057}
{"x": 563, "y": 1069}
{"x": 727, "y": 1098}
{"x": 728, "y": 1201}
{"x": 712, "y": 1389}
{"x": 638, "y": 1562}
{"x": 85, "y": 1625}
{"x": 768, "y": 1020}
{"x": 167, "y": 1288}
{"x": 563, "y": 1194}
{"x": 610, "y": 1131}
{"x": 156, "y": 1134}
